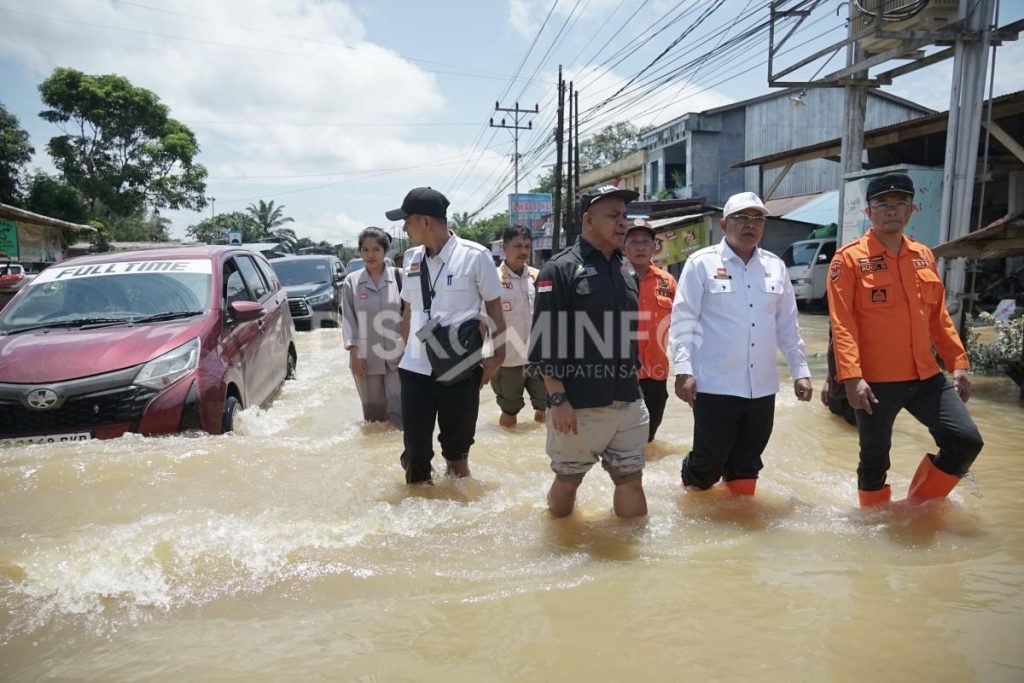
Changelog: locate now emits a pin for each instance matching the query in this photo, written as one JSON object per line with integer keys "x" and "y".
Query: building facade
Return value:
{"x": 692, "y": 156}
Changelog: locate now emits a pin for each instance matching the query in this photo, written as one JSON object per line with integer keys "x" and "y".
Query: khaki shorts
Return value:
{"x": 616, "y": 435}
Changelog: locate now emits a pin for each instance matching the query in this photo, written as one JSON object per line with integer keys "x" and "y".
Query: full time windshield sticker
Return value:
{"x": 58, "y": 273}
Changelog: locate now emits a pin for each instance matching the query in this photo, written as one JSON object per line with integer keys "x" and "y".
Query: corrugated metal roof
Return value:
{"x": 1005, "y": 105}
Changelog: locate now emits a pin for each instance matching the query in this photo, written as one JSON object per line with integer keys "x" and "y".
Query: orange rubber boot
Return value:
{"x": 741, "y": 487}
{"x": 930, "y": 482}
{"x": 870, "y": 499}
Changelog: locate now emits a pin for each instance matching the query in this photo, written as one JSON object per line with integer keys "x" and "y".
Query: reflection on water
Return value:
{"x": 292, "y": 550}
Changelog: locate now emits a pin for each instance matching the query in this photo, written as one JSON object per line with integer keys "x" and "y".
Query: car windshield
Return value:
{"x": 124, "y": 291}
{"x": 354, "y": 265}
{"x": 800, "y": 253}
{"x": 302, "y": 271}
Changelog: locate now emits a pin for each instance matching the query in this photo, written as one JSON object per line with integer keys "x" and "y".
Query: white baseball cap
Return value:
{"x": 741, "y": 201}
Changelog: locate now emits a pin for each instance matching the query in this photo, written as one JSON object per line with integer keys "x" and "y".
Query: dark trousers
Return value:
{"x": 936, "y": 405}
{"x": 454, "y": 407}
{"x": 729, "y": 435}
{"x": 655, "y": 393}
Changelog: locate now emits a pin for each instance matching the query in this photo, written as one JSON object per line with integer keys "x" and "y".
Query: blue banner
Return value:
{"x": 529, "y": 210}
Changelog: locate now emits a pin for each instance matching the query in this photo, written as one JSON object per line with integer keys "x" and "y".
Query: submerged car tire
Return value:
{"x": 227, "y": 420}
{"x": 290, "y": 373}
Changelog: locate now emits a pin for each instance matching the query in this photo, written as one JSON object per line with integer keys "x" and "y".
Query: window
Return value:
{"x": 234, "y": 286}
{"x": 252, "y": 276}
{"x": 828, "y": 250}
{"x": 268, "y": 274}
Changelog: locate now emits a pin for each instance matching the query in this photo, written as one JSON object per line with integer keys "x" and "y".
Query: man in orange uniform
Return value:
{"x": 888, "y": 308}
{"x": 657, "y": 291}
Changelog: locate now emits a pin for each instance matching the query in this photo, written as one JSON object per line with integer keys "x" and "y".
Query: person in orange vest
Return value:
{"x": 888, "y": 309}
{"x": 657, "y": 290}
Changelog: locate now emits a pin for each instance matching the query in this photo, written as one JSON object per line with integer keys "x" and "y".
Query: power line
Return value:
{"x": 460, "y": 179}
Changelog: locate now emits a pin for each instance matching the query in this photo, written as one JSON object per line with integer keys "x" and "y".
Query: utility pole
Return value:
{"x": 213, "y": 206}
{"x": 576, "y": 163}
{"x": 570, "y": 224}
{"x": 515, "y": 128}
{"x": 970, "y": 57}
{"x": 855, "y": 100}
{"x": 558, "y": 165}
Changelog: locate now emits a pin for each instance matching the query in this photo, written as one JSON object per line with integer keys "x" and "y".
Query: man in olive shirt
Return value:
{"x": 584, "y": 326}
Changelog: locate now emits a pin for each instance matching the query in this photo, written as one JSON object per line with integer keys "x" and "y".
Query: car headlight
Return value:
{"x": 320, "y": 298}
{"x": 167, "y": 369}
{"x": 802, "y": 281}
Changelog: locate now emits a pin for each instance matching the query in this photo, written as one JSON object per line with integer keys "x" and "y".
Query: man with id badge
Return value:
{"x": 734, "y": 308}
{"x": 443, "y": 369}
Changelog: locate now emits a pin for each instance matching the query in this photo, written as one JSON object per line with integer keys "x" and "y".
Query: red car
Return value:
{"x": 152, "y": 342}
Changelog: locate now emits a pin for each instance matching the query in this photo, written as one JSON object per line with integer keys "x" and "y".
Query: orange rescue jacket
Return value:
{"x": 888, "y": 311}
{"x": 657, "y": 291}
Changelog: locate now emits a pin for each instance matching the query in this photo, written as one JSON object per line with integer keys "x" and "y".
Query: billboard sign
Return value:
{"x": 9, "y": 239}
{"x": 530, "y": 210}
{"x": 677, "y": 243}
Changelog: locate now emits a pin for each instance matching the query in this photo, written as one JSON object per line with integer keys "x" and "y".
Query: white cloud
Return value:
{"x": 267, "y": 78}
{"x": 526, "y": 16}
{"x": 336, "y": 228}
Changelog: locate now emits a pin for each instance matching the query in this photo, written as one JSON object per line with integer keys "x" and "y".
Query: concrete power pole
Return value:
{"x": 515, "y": 128}
{"x": 570, "y": 226}
{"x": 558, "y": 165}
{"x": 855, "y": 100}
{"x": 576, "y": 162}
{"x": 967, "y": 94}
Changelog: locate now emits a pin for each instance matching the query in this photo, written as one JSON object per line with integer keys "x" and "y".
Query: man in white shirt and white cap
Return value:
{"x": 734, "y": 308}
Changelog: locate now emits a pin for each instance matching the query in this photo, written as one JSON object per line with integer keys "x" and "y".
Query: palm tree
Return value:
{"x": 460, "y": 221}
{"x": 267, "y": 220}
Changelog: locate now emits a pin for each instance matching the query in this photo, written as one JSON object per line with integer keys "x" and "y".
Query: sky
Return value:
{"x": 336, "y": 108}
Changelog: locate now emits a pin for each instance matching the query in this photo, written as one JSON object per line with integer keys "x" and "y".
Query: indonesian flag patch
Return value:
{"x": 544, "y": 286}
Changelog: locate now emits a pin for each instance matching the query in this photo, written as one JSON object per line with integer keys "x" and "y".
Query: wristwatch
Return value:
{"x": 557, "y": 399}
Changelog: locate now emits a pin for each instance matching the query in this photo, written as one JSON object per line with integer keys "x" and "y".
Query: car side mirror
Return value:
{"x": 822, "y": 258}
{"x": 242, "y": 311}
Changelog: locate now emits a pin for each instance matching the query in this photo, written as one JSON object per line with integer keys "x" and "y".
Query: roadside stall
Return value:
{"x": 1003, "y": 238}
{"x": 33, "y": 241}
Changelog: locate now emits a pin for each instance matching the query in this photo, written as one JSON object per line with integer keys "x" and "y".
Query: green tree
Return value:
{"x": 459, "y": 221}
{"x": 546, "y": 183}
{"x": 52, "y": 197}
{"x": 485, "y": 230}
{"x": 215, "y": 230}
{"x": 610, "y": 144}
{"x": 304, "y": 243}
{"x": 15, "y": 153}
{"x": 139, "y": 227}
{"x": 120, "y": 148}
{"x": 268, "y": 221}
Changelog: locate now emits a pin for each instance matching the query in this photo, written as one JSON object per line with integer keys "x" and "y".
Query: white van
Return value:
{"x": 807, "y": 262}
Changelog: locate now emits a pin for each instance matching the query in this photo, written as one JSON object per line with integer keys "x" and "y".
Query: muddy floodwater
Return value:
{"x": 292, "y": 551}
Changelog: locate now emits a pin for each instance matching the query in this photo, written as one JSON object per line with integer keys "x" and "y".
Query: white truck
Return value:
{"x": 807, "y": 262}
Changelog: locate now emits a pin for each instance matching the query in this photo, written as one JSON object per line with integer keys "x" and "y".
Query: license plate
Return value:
{"x": 49, "y": 438}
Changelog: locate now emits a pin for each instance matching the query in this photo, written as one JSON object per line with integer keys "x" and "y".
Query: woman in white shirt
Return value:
{"x": 371, "y": 329}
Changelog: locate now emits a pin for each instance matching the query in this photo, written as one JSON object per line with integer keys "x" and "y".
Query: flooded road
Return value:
{"x": 291, "y": 550}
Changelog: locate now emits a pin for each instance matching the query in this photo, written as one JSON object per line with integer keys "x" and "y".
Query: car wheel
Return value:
{"x": 290, "y": 373}
{"x": 227, "y": 420}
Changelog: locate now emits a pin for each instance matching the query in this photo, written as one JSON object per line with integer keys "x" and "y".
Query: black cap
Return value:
{"x": 592, "y": 195}
{"x": 890, "y": 182}
{"x": 421, "y": 201}
{"x": 642, "y": 225}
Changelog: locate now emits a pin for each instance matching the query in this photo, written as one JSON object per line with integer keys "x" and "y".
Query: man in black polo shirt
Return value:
{"x": 584, "y": 326}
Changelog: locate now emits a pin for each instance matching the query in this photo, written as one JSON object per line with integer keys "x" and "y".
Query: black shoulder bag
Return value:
{"x": 455, "y": 353}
